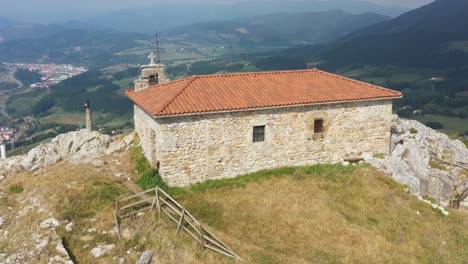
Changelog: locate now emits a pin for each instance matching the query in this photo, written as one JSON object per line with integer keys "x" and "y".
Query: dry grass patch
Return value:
{"x": 329, "y": 214}
{"x": 83, "y": 194}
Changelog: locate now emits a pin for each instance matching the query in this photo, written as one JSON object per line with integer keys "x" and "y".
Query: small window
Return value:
{"x": 258, "y": 134}
{"x": 318, "y": 126}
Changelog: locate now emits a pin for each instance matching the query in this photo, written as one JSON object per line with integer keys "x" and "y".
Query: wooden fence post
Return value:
{"x": 158, "y": 204}
{"x": 202, "y": 238}
{"x": 116, "y": 217}
{"x": 181, "y": 220}
{"x": 155, "y": 198}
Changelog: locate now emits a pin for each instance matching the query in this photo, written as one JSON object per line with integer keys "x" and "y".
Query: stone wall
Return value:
{"x": 196, "y": 148}
{"x": 146, "y": 128}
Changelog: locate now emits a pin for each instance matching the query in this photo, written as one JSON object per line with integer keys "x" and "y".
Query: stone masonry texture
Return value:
{"x": 196, "y": 148}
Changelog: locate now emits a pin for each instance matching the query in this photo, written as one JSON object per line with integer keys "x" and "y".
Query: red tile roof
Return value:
{"x": 236, "y": 91}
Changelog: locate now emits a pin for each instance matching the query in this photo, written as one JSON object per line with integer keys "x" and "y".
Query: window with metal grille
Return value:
{"x": 318, "y": 125}
{"x": 258, "y": 134}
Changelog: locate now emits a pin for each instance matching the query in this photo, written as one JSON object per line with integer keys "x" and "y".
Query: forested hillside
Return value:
{"x": 279, "y": 29}
{"x": 74, "y": 46}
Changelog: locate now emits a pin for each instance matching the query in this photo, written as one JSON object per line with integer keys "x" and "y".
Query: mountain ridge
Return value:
{"x": 280, "y": 29}
{"x": 421, "y": 37}
{"x": 148, "y": 19}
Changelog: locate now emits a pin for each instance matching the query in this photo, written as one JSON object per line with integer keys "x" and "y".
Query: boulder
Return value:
{"x": 146, "y": 257}
{"x": 100, "y": 251}
{"x": 51, "y": 222}
{"x": 69, "y": 227}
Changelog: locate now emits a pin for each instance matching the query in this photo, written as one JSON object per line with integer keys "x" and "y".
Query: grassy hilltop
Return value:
{"x": 313, "y": 214}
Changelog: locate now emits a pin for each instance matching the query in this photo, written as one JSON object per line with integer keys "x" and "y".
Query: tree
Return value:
{"x": 434, "y": 125}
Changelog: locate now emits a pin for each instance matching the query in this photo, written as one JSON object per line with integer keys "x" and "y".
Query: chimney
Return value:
{"x": 3, "y": 151}
{"x": 89, "y": 117}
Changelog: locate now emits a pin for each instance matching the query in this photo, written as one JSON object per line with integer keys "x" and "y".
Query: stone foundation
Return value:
{"x": 197, "y": 148}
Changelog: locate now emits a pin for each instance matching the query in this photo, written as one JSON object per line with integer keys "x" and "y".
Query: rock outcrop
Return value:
{"x": 145, "y": 258}
{"x": 76, "y": 147}
{"x": 428, "y": 161}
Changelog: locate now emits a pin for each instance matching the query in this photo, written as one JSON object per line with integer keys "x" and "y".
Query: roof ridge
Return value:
{"x": 356, "y": 81}
{"x": 253, "y": 73}
{"x": 171, "y": 82}
{"x": 193, "y": 78}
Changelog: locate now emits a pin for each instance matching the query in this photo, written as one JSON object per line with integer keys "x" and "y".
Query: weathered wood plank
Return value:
{"x": 215, "y": 237}
{"x": 136, "y": 212}
{"x": 214, "y": 242}
{"x": 220, "y": 251}
{"x": 136, "y": 195}
{"x": 135, "y": 203}
{"x": 181, "y": 220}
{"x": 169, "y": 206}
{"x": 116, "y": 217}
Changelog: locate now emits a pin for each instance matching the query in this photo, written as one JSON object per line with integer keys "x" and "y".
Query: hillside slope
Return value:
{"x": 317, "y": 214}
{"x": 434, "y": 35}
{"x": 279, "y": 29}
{"x": 311, "y": 214}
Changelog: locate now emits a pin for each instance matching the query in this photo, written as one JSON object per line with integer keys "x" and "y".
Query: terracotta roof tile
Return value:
{"x": 221, "y": 92}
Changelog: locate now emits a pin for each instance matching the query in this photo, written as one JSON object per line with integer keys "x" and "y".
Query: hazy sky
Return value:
{"x": 22, "y": 9}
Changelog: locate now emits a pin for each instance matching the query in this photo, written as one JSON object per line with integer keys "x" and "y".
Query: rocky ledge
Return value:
{"x": 77, "y": 147}
{"x": 428, "y": 161}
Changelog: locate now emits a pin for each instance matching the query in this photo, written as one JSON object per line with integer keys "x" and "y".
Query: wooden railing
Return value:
{"x": 161, "y": 201}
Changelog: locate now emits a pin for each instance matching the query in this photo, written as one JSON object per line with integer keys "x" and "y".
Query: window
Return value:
{"x": 258, "y": 134}
{"x": 318, "y": 125}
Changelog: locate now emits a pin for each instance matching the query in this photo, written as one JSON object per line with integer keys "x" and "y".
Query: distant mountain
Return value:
{"x": 280, "y": 29}
{"x": 5, "y": 22}
{"x": 432, "y": 36}
{"x": 165, "y": 16}
{"x": 28, "y": 31}
{"x": 435, "y": 35}
{"x": 76, "y": 46}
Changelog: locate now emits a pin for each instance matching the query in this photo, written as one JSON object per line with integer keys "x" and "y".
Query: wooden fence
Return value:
{"x": 158, "y": 199}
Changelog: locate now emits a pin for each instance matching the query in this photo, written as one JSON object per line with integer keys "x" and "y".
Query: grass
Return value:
{"x": 85, "y": 205}
{"x": 16, "y": 188}
{"x": 125, "y": 83}
{"x": 149, "y": 177}
{"x": 311, "y": 214}
{"x": 380, "y": 155}
{"x": 413, "y": 130}
{"x": 437, "y": 165}
{"x": 326, "y": 214}
{"x": 330, "y": 170}
{"x": 61, "y": 117}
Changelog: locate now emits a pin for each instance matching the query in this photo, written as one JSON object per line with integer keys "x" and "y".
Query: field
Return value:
{"x": 64, "y": 118}
{"x": 452, "y": 125}
{"x": 76, "y": 118}
{"x": 390, "y": 74}
{"x": 313, "y": 214}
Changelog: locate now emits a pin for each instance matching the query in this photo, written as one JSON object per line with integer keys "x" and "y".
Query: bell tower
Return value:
{"x": 153, "y": 73}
